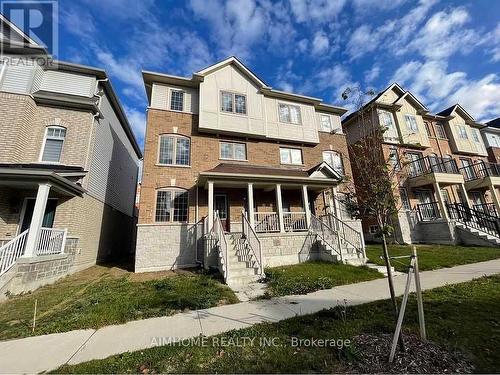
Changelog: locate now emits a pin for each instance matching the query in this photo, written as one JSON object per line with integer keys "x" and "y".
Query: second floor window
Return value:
{"x": 235, "y": 103}
{"x": 53, "y": 145}
{"x": 233, "y": 151}
{"x": 386, "y": 120}
{"x": 394, "y": 158}
{"x": 171, "y": 205}
{"x": 411, "y": 123}
{"x": 174, "y": 150}
{"x": 440, "y": 131}
{"x": 290, "y": 113}
{"x": 177, "y": 100}
{"x": 428, "y": 129}
{"x": 475, "y": 135}
{"x": 405, "y": 202}
{"x": 291, "y": 156}
{"x": 334, "y": 159}
{"x": 326, "y": 123}
{"x": 462, "y": 132}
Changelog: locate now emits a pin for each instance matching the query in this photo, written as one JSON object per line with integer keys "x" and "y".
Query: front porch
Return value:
{"x": 28, "y": 227}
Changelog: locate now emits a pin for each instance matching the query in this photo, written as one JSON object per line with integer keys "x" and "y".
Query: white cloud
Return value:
{"x": 438, "y": 88}
{"x": 445, "y": 34}
{"x": 493, "y": 38}
{"x": 125, "y": 70}
{"x": 78, "y": 21}
{"x": 372, "y": 74}
{"x": 316, "y": 10}
{"x": 137, "y": 120}
{"x": 320, "y": 43}
{"x": 367, "y": 5}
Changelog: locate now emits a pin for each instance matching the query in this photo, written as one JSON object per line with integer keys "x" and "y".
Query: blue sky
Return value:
{"x": 443, "y": 51}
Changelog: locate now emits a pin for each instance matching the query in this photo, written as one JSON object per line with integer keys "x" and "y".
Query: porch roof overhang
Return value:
{"x": 30, "y": 178}
{"x": 238, "y": 175}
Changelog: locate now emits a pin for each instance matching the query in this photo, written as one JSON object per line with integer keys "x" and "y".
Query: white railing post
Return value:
{"x": 251, "y": 216}
{"x": 63, "y": 245}
{"x": 439, "y": 197}
{"x": 210, "y": 205}
{"x": 36, "y": 220}
{"x": 305, "y": 199}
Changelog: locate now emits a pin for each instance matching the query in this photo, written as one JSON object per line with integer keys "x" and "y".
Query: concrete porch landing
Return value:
{"x": 51, "y": 351}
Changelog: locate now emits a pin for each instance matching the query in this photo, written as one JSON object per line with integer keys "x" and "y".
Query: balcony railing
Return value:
{"x": 428, "y": 211}
{"x": 487, "y": 208}
{"x": 474, "y": 219}
{"x": 480, "y": 170}
{"x": 266, "y": 222}
{"x": 432, "y": 164}
{"x": 51, "y": 241}
{"x": 294, "y": 221}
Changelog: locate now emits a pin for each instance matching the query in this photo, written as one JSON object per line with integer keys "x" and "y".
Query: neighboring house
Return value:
{"x": 491, "y": 137}
{"x": 447, "y": 169}
{"x": 68, "y": 169}
{"x": 223, "y": 142}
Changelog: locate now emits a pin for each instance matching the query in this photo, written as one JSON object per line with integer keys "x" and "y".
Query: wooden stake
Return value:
{"x": 34, "y": 316}
{"x": 420, "y": 303}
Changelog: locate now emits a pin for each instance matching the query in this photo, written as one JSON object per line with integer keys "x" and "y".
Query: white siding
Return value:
{"x": 68, "y": 83}
{"x": 464, "y": 145}
{"x": 160, "y": 97}
{"x": 420, "y": 137}
{"x": 114, "y": 164}
{"x": 17, "y": 77}
{"x": 491, "y": 139}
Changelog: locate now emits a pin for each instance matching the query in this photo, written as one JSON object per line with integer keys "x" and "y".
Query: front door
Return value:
{"x": 222, "y": 206}
{"x": 48, "y": 217}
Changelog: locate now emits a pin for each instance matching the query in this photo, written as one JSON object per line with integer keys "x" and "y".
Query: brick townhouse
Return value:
{"x": 491, "y": 137}
{"x": 237, "y": 175}
{"x": 450, "y": 191}
{"x": 68, "y": 166}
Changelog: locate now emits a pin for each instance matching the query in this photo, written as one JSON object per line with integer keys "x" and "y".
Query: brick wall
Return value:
{"x": 205, "y": 155}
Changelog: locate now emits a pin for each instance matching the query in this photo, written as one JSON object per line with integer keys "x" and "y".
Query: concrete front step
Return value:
{"x": 382, "y": 269}
{"x": 235, "y": 280}
{"x": 480, "y": 234}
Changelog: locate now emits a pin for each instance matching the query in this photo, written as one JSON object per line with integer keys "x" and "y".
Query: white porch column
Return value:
{"x": 250, "y": 205}
{"x": 37, "y": 219}
{"x": 465, "y": 195}
{"x": 335, "y": 207}
{"x": 279, "y": 204}
{"x": 305, "y": 199}
{"x": 210, "y": 205}
{"x": 494, "y": 197}
{"x": 439, "y": 197}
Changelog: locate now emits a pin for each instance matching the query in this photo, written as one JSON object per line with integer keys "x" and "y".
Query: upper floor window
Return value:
{"x": 177, "y": 100}
{"x": 394, "y": 158}
{"x": 405, "y": 201}
{"x": 326, "y": 123}
{"x": 53, "y": 144}
{"x": 494, "y": 141}
{"x": 233, "y": 151}
{"x": 386, "y": 120}
{"x": 290, "y": 113}
{"x": 440, "y": 130}
{"x": 411, "y": 123}
{"x": 291, "y": 156}
{"x": 235, "y": 103}
{"x": 462, "y": 132}
{"x": 171, "y": 205}
{"x": 428, "y": 129}
{"x": 475, "y": 135}
{"x": 174, "y": 149}
{"x": 334, "y": 159}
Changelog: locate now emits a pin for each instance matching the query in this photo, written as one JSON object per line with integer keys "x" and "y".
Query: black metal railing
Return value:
{"x": 487, "y": 208}
{"x": 432, "y": 164}
{"x": 474, "y": 219}
{"x": 428, "y": 211}
{"x": 480, "y": 170}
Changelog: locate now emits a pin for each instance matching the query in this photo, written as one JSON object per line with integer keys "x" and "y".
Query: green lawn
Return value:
{"x": 431, "y": 257}
{"x": 99, "y": 296}
{"x": 311, "y": 276}
{"x": 462, "y": 317}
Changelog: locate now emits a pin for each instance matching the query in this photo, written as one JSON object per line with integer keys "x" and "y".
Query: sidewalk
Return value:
{"x": 44, "y": 353}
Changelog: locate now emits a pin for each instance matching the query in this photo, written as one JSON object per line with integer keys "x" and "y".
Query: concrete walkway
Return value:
{"x": 43, "y": 353}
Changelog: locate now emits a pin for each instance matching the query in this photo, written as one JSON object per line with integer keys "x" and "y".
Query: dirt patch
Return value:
{"x": 419, "y": 357}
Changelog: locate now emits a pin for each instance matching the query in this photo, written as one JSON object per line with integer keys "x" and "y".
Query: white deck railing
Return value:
{"x": 51, "y": 241}
{"x": 11, "y": 251}
{"x": 295, "y": 221}
{"x": 253, "y": 241}
{"x": 218, "y": 232}
{"x": 266, "y": 222}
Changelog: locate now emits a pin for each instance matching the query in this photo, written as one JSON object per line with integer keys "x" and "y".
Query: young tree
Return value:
{"x": 378, "y": 172}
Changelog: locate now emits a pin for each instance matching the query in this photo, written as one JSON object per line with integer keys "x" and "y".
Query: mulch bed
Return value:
{"x": 420, "y": 357}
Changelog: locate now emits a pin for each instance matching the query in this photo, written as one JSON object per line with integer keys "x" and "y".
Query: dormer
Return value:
{"x": 464, "y": 130}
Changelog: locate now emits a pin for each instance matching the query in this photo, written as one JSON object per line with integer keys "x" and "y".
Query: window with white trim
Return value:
{"x": 233, "y": 150}
{"x": 494, "y": 140}
{"x": 291, "y": 156}
{"x": 386, "y": 120}
{"x": 289, "y": 113}
{"x": 462, "y": 132}
{"x": 334, "y": 159}
{"x": 177, "y": 100}
{"x": 405, "y": 201}
{"x": 171, "y": 205}
{"x": 234, "y": 103}
{"x": 475, "y": 135}
{"x": 411, "y": 123}
{"x": 325, "y": 123}
{"x": 174, "y": 149}
{"x": 53, "y": 144}
{"x": 440, "y": 132}
{"x": 428, "y": 129}
{"x": 394, "y": 158}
